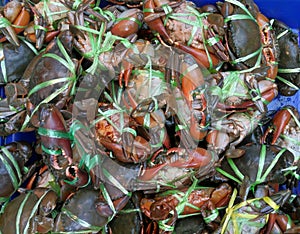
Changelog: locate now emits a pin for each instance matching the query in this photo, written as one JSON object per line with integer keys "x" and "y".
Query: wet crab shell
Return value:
{"x": 9, "y": 167}
{"x": 29, "y": 212}
{"x": 251, "y": 159}
{"x": 15, "y": 61}
{"x": 79, "y": 213}
{"x": 289, "y": 58}
{"x": 243, "y": 35}
{"x": 44, "y": 69}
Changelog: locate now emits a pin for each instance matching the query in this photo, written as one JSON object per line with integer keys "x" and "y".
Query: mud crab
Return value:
{"x": 246, "y": 50}
{"x": 51, "y": 75}
{"x": 271, "y": 159}
{"x": 15, "y": 167}
{"x": 160, "y": 207}
{"x": 186, "y": 28}
{"x": 253, "y": 212}
{"x": 289, "y": 60}
{"x": 29, "y": 211}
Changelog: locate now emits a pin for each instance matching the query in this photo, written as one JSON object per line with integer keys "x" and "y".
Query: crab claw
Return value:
{"x": 77, "y": 175}
{"x": 53, "y": 132}
{"x": 154, "y": 21}
{"x": 180, "y": 158}
{"x": 279, "y": 122}
{"x": 9, "y": 34}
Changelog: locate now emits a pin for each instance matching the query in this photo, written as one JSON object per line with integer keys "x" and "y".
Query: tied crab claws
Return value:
{"x": 180, "y": 159}
{"x": 201, "y": 201}
{"x": 54, "y": 135}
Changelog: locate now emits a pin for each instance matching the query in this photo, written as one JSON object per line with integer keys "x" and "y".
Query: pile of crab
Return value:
{"x": 148, "y": 117}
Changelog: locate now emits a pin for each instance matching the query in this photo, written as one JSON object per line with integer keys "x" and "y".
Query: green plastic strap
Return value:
{"x": 247, "y": 57}
{"x": 108, "y": 200}
{"x": 261, "y": 164}
{"x": 89, "y": 162}
{"x": 33, "y": 211}
{"x": 81, "y": 222}
{"x": 3, "y": 202}
{"x": 39, "y": 27}
{"x": 161, "y": 139}
{"x": 294, "y": 141}
{"x": 147, "y": 120}
{"x": 53, "y": 133}
{"x": 2, "y": 64}
{"x": 51, "y": 151}
{"x": 164, "y": 226}
{"x": 75, "y": 126}
{"x": 49, "y": 83}
{"x": 115, "y": 182}
{"x": 183, "y": 201}
{"x": 129, "y": 211}
{"x": 238, "y": 17}
{"x": 106, "y": 14}
{"x": 242, "y": 6}
{"x": 287, "y": 82}
{"x": 189, "y": 69}
{"x": 107, "y": 114}
{"x": 213, "y": 40}
{"x": 155, "y": 73}
{"x": 148, "y": 10}
{"x": 289, "y": 70}
{"x": 230, "y": 85}
{"x": 76, "y": 4}
{"x": 34, "y": 50}
{"x": 20, "y": 211}
{"x": 235, "y": 168}
{"x": 3, "y": 69}
{"x": 221, "y": 171}
{"x": 193, "y": 33}
{"x": 212, "y": 216}
{"x": 168, "y": 10}
{"x": 72, "y": 182}
{"x": 275, "y": 160}
{"x": 282, "y": 34}
{"x": 289, "y": 223}
{"x": 4, "y": 22}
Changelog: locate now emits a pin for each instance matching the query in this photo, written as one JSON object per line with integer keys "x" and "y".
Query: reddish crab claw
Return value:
{"x": 279, "y": 123}
{"x": 54, "y": 135}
